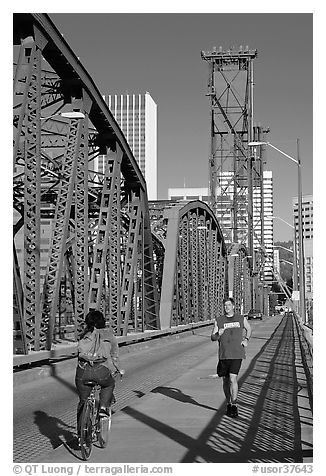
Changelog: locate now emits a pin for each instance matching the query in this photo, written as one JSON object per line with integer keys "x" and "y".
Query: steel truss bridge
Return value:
{"x": 85, "y": 240}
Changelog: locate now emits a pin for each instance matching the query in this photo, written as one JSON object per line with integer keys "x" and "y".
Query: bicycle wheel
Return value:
{"x": 104, "y": 427}
{"x": 86, "y": 438}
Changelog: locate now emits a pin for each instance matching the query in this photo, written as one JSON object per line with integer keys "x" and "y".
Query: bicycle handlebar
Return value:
{"x": 120, "y": 372}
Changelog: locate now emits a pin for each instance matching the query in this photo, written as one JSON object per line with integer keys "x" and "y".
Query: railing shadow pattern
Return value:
{"x": 268, "y": 429}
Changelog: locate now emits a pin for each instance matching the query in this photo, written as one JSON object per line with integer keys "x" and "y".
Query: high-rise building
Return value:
{"x": 136, "y": 115}
{"x": 276, "y": 254}
{"x": 267, "y": 211}
{"x": 307, "y": 216}
{"x": 307, "y": 231}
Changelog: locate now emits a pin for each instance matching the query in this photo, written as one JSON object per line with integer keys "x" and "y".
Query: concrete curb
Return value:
{"x": 60, "y": 368}
{"x": 68, "y": 349}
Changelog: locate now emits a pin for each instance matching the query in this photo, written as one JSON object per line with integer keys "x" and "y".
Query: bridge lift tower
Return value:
{"x": 235, "y": 176}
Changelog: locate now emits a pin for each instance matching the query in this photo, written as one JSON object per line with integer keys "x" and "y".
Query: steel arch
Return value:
{"x": 194, "y": 272}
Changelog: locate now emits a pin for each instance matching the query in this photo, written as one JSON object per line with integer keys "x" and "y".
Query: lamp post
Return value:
{"x": 295, "y": 254}
{"x": 283, "y": 247}
{"x": 286, "y": 261}
{"x": 297, "y": 161}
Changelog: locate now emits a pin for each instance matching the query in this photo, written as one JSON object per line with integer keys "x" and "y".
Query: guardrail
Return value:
{"x": 66, "y": 350}
{"x": 307, "y": 333}
{"x": 306, "y": 346}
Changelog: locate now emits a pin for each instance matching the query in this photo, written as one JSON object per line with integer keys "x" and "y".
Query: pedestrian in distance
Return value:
{"x": 232, "y": 331}
{"x": 98, "y": 351}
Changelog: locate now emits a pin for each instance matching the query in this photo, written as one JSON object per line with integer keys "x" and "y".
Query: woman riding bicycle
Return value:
{"x": 96, "y": 371}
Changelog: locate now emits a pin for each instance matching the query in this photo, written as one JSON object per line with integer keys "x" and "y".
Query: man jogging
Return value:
{"x": 229, "y": 331}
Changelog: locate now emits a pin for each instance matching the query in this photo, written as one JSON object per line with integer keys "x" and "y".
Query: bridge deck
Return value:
{"x": 185, "y": 421}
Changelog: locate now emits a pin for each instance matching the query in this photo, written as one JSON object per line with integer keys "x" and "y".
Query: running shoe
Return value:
{"x": 234, "y": 411}
{"x": 105, "y": 412}
{"x": 229, "y": 409}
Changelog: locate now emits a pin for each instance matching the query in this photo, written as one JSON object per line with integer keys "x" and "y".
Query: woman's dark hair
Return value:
{"x": 94, "y": 319}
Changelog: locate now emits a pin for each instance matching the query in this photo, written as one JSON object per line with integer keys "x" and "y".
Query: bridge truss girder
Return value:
{"x": 239, "y": 276}
{"x": 92, "y": 230}
{"x": 194, "y": 273}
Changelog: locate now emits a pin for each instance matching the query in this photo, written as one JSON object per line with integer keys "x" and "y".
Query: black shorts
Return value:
{"x": 228, "y": 366}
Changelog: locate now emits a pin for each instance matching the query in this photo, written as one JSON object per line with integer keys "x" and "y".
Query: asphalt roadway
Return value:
{"x": 171, "y": 407}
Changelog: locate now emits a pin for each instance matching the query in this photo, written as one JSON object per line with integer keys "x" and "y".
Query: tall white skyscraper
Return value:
{"x": 136, "y": 115}
{"x": 307, "y": 230}
{"x": 267, "y": 211}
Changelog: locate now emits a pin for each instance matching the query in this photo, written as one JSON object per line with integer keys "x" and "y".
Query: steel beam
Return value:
{"x": 60, "y": 228}
{"x": 129, "y": 278}
{"x": 107, "y": 244}
{"x": 80, "y": 247}
{"x": 32, "y": 191}
{"x": 170, "y": 261}
{"x": 239, "y": 277}
{"x": 150, "y": 285}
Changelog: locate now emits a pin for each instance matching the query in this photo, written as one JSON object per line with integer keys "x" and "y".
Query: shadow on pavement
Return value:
{"x": 56, "y": 430}
{"x": 268, "y": 426}
{"x": 176, "y": 394}
{"x": 63, "y": 381}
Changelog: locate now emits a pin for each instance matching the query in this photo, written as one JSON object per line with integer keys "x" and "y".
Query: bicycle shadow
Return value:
{"x": 53, "y": 428}
{"x": 58, "y": 432}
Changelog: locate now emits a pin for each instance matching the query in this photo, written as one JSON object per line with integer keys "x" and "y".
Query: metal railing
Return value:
{"x": 306, "y": 346}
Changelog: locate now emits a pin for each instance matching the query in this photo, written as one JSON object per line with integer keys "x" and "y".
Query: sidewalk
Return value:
{"x": 185, "y": 420}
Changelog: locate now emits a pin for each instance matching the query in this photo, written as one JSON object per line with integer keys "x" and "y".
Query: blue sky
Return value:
{"x": 160, "y": 53}
{"x": 163, "y": 57}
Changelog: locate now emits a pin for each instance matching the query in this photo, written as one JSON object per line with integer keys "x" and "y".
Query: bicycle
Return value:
{"x": 94, "y": 428}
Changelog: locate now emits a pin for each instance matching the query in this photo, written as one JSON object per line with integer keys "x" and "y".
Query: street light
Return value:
{"x": 295, "y": 272}
{"x": 280, "y": 281}
{"x": 300, "y": 230}
{"x": 286, "y": 222}
{"x": 73, "y": 115}
{"x": 67, "y": 114}
{"x": 283, "y": 247}
{"x": 286, "y": 261}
